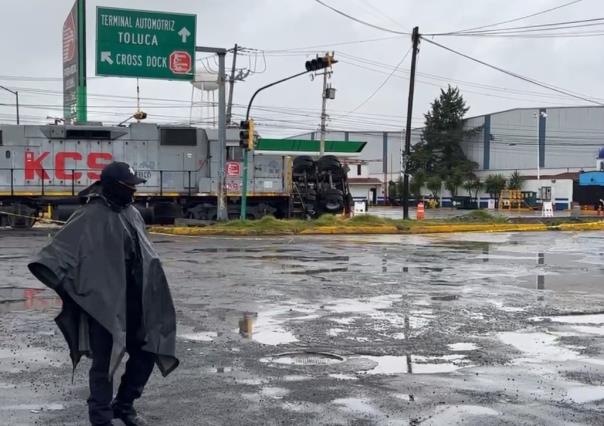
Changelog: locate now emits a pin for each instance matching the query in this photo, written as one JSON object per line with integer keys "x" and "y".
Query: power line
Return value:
{"x": 360, "y": 21}
{"x": 377, "y": 89}
{"x": 509, "y": 21}
{"x": 510, "y": 73}
{"x": 544, "y": 27}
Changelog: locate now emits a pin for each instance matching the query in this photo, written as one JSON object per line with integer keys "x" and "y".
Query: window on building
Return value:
{"x": 234, "y": 153}
{"x": 358, "y": 170}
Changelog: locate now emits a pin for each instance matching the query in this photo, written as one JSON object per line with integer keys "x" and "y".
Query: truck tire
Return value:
{"x": 332, "y": 201}
{"x": 329, "y": 163}
{"x": 303, "y": 163}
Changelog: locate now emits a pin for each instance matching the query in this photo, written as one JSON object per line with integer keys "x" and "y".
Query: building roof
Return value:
{"x": 364, "y": 181}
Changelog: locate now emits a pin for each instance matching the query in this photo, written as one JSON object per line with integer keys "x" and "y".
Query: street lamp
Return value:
{"x": 16, "y": 93}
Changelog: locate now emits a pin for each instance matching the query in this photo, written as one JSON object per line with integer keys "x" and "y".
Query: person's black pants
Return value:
{"x": 138, "y": 369}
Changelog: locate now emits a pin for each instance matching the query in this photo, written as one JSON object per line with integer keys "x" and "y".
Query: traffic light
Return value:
{"x": 320, "y": 63}
{"x": 244, "y": 134}
{"x": 250, "y": 135}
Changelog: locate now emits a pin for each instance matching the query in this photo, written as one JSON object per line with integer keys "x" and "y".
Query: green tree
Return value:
{"x": 434, "y": 184}
{"x": 494, "y": 184}
{"x": 473, "y": 186}
{"x": 454, "y": 181}
{"x": 515, "y": 181}
{"x": 439, "y": 151}
{"x": 417, "y": 182}
{"x": 392, "y": 191}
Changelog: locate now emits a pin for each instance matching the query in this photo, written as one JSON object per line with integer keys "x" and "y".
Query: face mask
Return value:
{"x": 118, "y": 193}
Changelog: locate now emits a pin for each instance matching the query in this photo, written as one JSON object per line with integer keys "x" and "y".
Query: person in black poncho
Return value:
{"x": 115, "y": 295}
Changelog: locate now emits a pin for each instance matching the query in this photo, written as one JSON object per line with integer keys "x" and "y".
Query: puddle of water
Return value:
{"x": 23, "y": 299}
{"x": 343, "y": 377}
{"x": 202, "y": 336}
{"x": 462, "y": 346}
{"x": 274, "y": 392}
{"x": 499, "y": 305}
{"x": 579, "y": 319}
{"x": 404, "y": 396}
{"x": 539, "y": 347}
{"x": 368, "y": 306}
{"x": 357, "y": 405}
{"x": 461, "y": 414}
{"x": 344, "y": 321}
{"x": 295, "y": 378}
{"x": 219, "y": 370}
{"x": 415, "y": 364}
{"x": 335, "y": 332}
{"x": 251, "y": 382}
{"x": 583, "y": 394}
{"x": 267, "y": 327}
{"x": 589, "y": 330}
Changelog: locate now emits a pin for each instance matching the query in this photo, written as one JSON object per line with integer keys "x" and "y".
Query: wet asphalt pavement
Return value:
{"x": 474, "y": 329}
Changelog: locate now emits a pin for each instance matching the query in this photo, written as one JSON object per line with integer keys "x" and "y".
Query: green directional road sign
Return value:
{"x": 140, "y": 43}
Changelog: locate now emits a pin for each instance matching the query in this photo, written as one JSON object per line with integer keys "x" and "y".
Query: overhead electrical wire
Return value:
{"x": 360, "y": 21}
{"x": 515, "y": 75}
{"x": 520, "y": 18}
{"x": 382, "y": 84}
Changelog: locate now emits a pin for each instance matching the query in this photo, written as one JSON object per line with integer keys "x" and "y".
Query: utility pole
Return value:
{"x": 407, "y": 151}
{"x": 231, "y": 86}
{"x": 221, "y": 202}
{"x": 16, "y": 93}
{"x": 329, "y": 58}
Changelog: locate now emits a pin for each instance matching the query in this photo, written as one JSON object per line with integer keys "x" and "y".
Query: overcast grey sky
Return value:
{"x": 31, "y": 35}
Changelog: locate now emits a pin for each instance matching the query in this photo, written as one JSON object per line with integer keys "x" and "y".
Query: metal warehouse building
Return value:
{"x": 552, "y": 144}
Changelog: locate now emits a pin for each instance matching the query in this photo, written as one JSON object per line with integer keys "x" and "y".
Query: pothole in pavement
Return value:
{"x": 304, "y": 358}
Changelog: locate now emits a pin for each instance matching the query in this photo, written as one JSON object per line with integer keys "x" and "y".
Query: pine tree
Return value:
{"x": 439, "y": 151}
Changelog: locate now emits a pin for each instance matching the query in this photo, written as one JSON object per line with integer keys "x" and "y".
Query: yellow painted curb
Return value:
{"x": 380, "y": 229}
{"x": 589, "y": 226}
{"x": 477, "y": 227}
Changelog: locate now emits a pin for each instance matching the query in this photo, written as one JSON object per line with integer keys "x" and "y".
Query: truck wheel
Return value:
{"x": 303, "y": 163}
{"x": 329, "y": 163}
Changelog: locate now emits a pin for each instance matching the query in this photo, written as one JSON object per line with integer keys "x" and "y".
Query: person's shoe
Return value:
{"x": 127, "y": 414}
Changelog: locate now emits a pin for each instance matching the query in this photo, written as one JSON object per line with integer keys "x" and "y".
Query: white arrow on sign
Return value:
{"x": 106, "y": 57}
{"x": 184, "y": 33}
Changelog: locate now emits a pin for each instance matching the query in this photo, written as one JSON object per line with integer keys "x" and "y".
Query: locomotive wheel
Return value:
{"x": 22, "y": 217}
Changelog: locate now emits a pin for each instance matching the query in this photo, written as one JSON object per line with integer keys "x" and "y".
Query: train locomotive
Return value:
{"x": 43, "y": 168}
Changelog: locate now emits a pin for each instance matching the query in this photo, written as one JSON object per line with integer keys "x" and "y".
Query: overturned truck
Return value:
{"x": 320, "y": 186}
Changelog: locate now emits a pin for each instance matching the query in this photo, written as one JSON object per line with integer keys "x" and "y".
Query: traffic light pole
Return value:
{"x": 243, "y": 212}
{"x": 407, "y": 151}
{"x": 323, "y": 116}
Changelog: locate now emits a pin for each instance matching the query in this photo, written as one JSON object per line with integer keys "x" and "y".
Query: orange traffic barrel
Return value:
{"x": 420, "y": 214}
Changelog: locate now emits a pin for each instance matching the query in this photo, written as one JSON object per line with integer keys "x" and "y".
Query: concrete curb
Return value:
{"x": 383, "y": 229}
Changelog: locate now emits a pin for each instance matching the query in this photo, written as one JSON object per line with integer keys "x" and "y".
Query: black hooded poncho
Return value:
{"x": 85, "y": 264}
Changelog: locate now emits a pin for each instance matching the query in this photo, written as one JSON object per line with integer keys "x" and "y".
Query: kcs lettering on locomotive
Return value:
{"x": 95, "y": 161}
